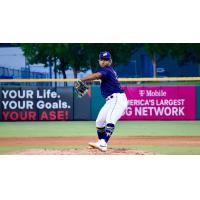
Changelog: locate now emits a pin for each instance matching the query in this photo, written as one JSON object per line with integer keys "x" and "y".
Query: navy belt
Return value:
{"x": 110, "y": 97}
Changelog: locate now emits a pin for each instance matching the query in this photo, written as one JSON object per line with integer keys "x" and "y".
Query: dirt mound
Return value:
{"x": 74, "y": 142}
{"x": 119, "y": 151}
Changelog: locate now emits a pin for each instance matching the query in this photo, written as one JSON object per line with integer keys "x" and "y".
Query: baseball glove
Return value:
{"x": 81, "y": 88}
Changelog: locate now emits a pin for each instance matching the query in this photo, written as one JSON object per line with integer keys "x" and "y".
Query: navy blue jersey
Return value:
{"x": 109, "y": 82}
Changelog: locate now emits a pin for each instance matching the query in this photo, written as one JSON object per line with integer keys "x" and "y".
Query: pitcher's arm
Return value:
{"x": 92, "y": 77}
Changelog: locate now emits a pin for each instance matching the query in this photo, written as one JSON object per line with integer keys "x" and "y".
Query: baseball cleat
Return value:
{"x": 97, "y": 145}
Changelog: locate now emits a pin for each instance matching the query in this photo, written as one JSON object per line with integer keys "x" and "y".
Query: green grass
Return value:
{"x": 10, "y": 149}
{"x": 125, "y": 128}
{"x": 87, "y": 128}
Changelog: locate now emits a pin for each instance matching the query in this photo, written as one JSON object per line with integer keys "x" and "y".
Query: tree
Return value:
{"x": 188, "y": 53}
{"x": 196, "y": 54}
{"x": 41, "y": 53}
{"x": 158, "y": 51}
{"x": 77, "y": 55}
{"x": 184, "y": 53}
{"x": 58, "y": 55}
{"x": 121, "y": 52}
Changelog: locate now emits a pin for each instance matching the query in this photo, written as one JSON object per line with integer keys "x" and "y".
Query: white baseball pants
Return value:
{"x": 112, "y": 110}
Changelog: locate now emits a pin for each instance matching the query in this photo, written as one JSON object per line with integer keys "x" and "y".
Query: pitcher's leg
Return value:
{"x": 101, "y": 120}
{"x": 100, "y": 125}
{"x": 114, "y": 114}
{"x": 107, "y": 119}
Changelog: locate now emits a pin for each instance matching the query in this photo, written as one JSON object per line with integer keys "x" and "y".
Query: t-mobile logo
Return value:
{"x": 141, "y": 93}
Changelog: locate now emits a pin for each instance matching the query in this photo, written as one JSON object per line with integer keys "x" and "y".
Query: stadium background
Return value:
{"x": 148, "y": 65}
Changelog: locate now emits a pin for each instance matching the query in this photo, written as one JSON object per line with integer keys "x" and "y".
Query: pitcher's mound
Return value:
{"x": 119, "y": 151}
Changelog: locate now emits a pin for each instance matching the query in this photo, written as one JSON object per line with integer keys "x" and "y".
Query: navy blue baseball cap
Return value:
{"x": 104, "y": 55}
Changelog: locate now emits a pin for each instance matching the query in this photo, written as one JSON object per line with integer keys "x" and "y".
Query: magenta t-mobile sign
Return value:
{"x": 161, "y": 103}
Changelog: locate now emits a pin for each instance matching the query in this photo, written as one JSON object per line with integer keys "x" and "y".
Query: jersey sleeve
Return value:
{"x": 103, "y": 72}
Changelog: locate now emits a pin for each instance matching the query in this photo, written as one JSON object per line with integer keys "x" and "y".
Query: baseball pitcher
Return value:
{"x": 116, "y": 100}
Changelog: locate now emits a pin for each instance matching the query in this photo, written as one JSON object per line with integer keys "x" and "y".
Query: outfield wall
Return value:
{"x": 198, "y": 102}
{"x": 62, "y": 104}
{"x": 161, "y": 102}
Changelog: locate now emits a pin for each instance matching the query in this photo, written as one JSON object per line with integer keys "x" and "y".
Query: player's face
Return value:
{"x": 105, "y": 62}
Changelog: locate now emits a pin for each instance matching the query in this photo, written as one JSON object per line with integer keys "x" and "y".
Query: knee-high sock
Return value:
{"x": 108, "y": 131}
{"x": 100, "y": 132}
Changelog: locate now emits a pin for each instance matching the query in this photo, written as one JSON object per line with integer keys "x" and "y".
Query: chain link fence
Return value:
{"x": 11, "y": 73}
